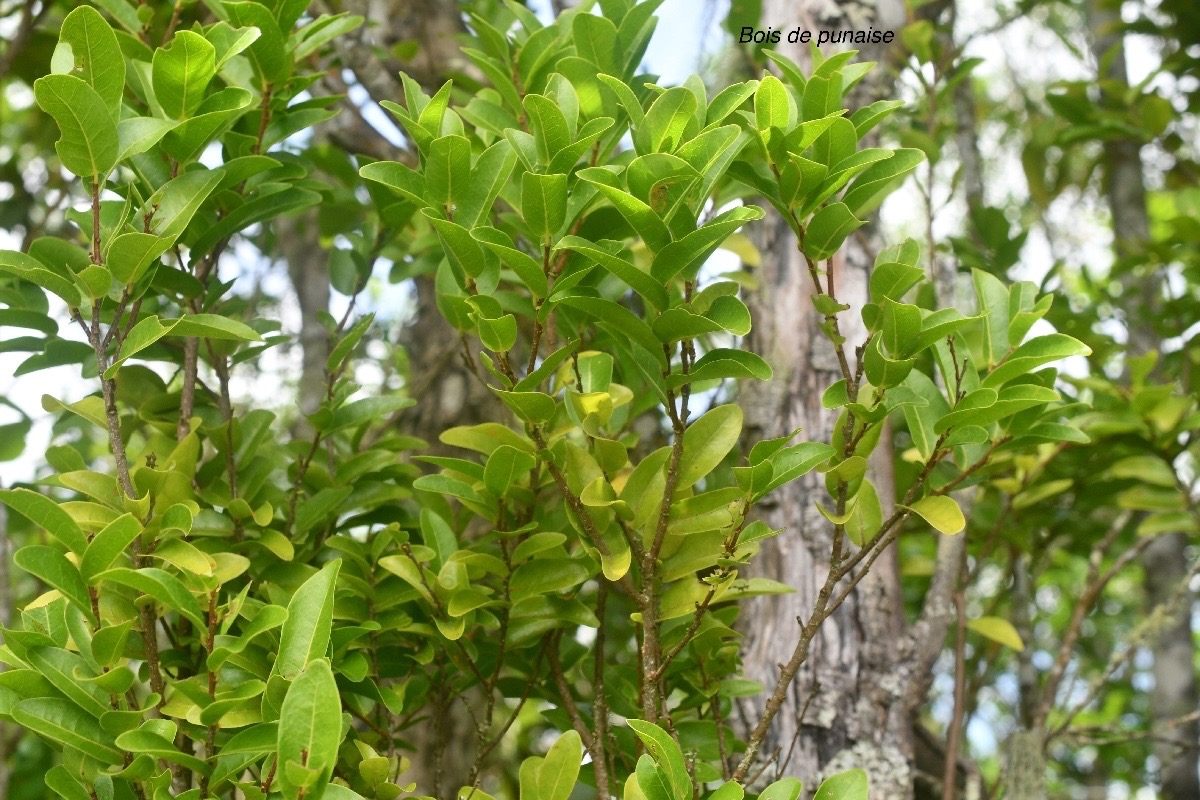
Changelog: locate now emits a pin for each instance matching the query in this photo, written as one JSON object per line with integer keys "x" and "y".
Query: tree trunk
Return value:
{"x": 845, "y": 708}
{"x": 1175, "y": 692}
{"x": 308, "y": 268}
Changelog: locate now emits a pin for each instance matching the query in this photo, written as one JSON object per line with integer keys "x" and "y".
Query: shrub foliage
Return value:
{"x": 228, "y": 607}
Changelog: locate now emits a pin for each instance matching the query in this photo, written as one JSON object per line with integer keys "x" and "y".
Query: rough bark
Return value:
{"x": 845, "y": 706}
{"x": 1175, "y": 691}
{"x": 308, "y": 268}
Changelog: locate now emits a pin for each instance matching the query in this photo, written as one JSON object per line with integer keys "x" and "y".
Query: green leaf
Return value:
{"x": 985, "y": 406}
{"x": 160, "y": 585}
{"x": 620, "y": 322}
{"x": 707, "y": 441}
{"x": 53, "y": 568}
{"x": 1041, "y": 492}
{"x": 32, "y": 270}
{"x": 305, "y": 635}
{"x": 941, "y": 512}
{"x": 89, "y": 144}
{"x": 792, "y": 462}
{"x": 447, "y": 171}
{"x": 662, "y": 130}
{"x": 491, "y": 171}
{"x": 868, "y": 191}
{"x": 993, "y": 297}
{"x": 882, "y": 371}
{"x": 107, "y": 545}
{"x": 504, "y": 466}
{"x": 729, "y": 790}
{"x": 783, "y": 789}
{"x": 97, "y": 55}
{"x": 228, "y": 41}
{"x": 850, "y": 785}
{"x": 867, "y": 117}
{"x": 268, "y": 54}
{"x": 891, "y": 280}
{"x": 559, "y": 770}
{"x": 828, "y": 229}
{"x": 131, "y": 253}
{"x": 145, "y": 740}
{"x": 310, "y": 729}
{"x": 639, "y": 281}
{"x": 1146, "y": 468}
{"x": 108, "y": 643}
{"x": 524, "y": 265}
{"x": 689, "y": 253}
{"x": 546, "y": 575}
{"x": 43, "y": 511}
{"x": 665, "y": 751}
{"x": 679, "y": 323}
{"x": 181, "y": 72}
{"x": 265, "y": 204}
{"x": 217, "y": 113}
{"x": 404, "y": 180}
{"x": 268, "y": 618}
{"x": 999, "y": 630}
{"x": 173, "y": 206}
{"x": 729, "y": 100}
{"x": 731, "y": 314}
{"x": 124, "y": 13}
{"x": 498, "y": 334}
{"x": 1033, "y": 354}
{"x": 626, "y": 97}
{"x": 63, "y": 722}
{"x": 367, "y": 410}
{"x": 146, "y": 332}
{"x": 60, "y": 781}
{"x": 544, "y": 204}
{"x": 549, "y": 126}
{"x": 461, "y": 249}
{"x": 534, "y": 407}
{"x": 772, "y": 108}
{"x": 641, "y": 217}
{"x": 723, "y": 362}
{"x": 213, "y": 326}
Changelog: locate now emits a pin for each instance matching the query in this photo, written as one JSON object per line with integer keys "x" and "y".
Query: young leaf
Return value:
{"x": 998, "y": 630}
{"x": 941, "y": 512}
